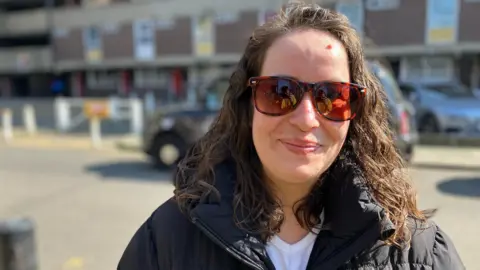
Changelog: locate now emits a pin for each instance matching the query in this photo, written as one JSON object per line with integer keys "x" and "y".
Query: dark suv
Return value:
{"x": 169, "y": 134}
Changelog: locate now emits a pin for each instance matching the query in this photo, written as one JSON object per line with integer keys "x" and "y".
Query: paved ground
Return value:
{"x": 52, "y": 140}
{"x": 87, "y": 203}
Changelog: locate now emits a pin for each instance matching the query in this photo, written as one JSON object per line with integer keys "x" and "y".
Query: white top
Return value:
{"x": 290, "y": 256}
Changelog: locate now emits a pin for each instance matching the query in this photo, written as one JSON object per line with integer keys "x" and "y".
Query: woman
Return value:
{"x": 299, "y": 171}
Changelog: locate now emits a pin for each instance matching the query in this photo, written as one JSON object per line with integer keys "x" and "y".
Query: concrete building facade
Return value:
{"x": 105, "y": 47}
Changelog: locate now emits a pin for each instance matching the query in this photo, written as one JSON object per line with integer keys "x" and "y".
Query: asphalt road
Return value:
{"x": 87, "y": 204}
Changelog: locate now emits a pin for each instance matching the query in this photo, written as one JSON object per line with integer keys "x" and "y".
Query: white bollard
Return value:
{"x": 7, "y": 125}
{"x": 29, "y": 119}
{"x": 136, "y": 116}
{"x": 96, "y": 132}
{"x": 62, "y": 114}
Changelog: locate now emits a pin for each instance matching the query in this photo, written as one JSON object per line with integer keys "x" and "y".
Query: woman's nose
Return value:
{"x": 305, "y": 116}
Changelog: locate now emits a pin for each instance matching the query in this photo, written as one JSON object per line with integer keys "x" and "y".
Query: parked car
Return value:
{"x": 168, "y": 135}
{"x": 447, "y": 107}
{"x": 402, "y": 112}
{"x": 476, "y": 92}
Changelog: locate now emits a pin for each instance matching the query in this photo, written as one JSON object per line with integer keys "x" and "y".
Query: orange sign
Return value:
{"x": 96, "y": 109}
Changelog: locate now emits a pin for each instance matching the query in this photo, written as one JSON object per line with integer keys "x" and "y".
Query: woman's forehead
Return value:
{"x": 309, "y": 55}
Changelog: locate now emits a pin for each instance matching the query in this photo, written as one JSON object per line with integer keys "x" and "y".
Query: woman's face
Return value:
{"x": 299, "y": 146}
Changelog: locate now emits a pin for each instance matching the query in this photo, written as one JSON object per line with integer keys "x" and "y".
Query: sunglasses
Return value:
{"x": 280, "y": 95}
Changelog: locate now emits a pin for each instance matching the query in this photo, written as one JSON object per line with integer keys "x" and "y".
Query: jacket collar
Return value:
{"x": 353, "y": 220}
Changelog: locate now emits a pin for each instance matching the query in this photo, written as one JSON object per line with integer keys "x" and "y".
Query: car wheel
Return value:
{"x": 167, "y": 150}
{"x": 429, "y": 124}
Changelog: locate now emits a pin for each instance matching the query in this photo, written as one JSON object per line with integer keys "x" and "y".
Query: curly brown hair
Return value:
{"x": 369, "y": 141}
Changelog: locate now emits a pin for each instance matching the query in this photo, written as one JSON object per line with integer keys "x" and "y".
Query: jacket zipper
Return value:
{"x": 219, "y": 241}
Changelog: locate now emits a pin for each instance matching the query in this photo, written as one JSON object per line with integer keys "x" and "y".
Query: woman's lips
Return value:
{"x": 301, "y": 147}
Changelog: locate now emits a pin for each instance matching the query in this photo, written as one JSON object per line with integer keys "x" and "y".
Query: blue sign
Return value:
{"x": 442, "y": 21}
{"x": 355, "y": 13}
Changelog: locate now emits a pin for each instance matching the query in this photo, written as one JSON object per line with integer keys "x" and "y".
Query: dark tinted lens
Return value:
{"x": 276, "y": 96}
{"x": 337, "y": 101}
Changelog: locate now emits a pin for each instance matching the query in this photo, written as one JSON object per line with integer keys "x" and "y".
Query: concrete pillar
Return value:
{"x": 76, "y": 84}
{"x": 2, "y": 22}
{"x": 124, "y": 83}
{"x": 193, "y": 81}
{"x": 6, "y": 87}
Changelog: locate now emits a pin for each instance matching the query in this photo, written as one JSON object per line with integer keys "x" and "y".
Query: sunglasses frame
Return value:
{"x": 306, "y": 87}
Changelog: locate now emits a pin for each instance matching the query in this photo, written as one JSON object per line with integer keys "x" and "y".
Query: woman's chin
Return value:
{"x": 299, "y": 175}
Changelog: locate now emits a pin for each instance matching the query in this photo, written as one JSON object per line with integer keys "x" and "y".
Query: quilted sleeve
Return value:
{"x": 445, "y": 255}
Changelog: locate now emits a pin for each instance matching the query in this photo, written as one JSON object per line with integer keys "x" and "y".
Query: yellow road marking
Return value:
{"x": 74, "y": 263}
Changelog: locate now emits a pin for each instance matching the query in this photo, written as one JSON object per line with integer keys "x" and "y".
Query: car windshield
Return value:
{"x": 450, "y": 90}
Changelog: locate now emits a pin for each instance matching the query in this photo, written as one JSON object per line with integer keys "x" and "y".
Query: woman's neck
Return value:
{"x": 291, "y": 231}
{"x": 289, "y": 195}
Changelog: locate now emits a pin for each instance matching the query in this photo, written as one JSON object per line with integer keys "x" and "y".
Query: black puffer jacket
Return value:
{"x": 209, "y": 239}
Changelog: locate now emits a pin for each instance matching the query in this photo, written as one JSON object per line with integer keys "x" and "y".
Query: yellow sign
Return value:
{"x": 94, "y": 55}
{"x": 441, "y": 21}
{"x": 96, "y": 109}
{"x": 204, "y": 49}
{"x": 441, "y": 35}
{"x": 92, "y": 44}
{"x": 204, "y": 42}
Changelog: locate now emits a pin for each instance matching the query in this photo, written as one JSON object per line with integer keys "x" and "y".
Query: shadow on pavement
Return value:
{"x": 462, "y": 186}
{"x": 130, "y": 170}
{"x": 434, "y": 166}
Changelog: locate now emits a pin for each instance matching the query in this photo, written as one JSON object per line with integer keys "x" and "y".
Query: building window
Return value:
{"x": 433, "y": 69}
{"x": 151, "y": 78}
{"x": 101, "y": 80}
